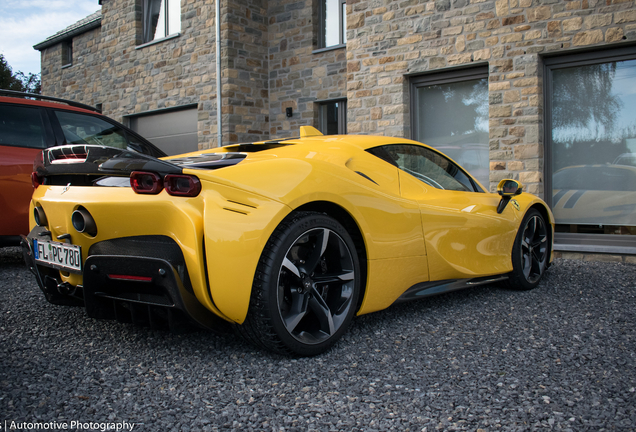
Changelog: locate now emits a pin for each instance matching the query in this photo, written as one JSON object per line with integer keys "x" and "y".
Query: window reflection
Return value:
{"x": 453, "y": 118}
{"x": 426, "y": 165}
{"x": 161, "y": 18}
{"x": 334, "y": 23}
{"x": 593, "y": 141}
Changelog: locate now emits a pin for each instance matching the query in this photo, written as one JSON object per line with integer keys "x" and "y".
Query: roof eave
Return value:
{"x": 64, "y": 36}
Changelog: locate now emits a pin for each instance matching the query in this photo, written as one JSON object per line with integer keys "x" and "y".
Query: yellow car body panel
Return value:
{"x": 412, "y": 232}
{"x": 118, "y": 213}
{"x": 236, "y": 235}
{"x": 389, "y": 278}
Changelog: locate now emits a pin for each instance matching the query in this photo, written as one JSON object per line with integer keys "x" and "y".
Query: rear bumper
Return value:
{"x": 146, "y": 290}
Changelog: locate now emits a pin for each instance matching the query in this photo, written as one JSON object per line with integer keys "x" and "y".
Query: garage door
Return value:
{"x": 174, "y": 132}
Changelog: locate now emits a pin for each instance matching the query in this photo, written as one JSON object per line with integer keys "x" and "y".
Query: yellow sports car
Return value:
{"x": 286, "y": 239}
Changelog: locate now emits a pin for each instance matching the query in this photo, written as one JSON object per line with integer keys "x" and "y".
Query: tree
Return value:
{"x": 18, "y": 81}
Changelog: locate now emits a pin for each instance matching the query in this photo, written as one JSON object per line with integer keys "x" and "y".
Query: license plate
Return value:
{"x": 58, "y": 255}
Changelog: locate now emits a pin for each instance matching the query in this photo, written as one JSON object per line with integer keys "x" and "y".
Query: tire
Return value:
{"x": 306, "y": 287}
{"x": 530, "y": 252}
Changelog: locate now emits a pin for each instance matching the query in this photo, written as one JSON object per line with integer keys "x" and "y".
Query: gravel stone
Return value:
{"x": 559, "y": 357}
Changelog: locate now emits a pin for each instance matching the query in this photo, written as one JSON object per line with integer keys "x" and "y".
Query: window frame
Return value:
{"x": 322, "y": 19}
{"x": 342, "y": 115}
{"x": 168, "y": 34}
{"x": 439, "y": 77}
{"x": 67, "y": 53}
{"x": 577, "y": 242}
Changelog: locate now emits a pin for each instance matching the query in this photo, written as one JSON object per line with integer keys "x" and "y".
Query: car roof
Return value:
{"x": 364, "y": 142}
{"x": 40, "y": 103}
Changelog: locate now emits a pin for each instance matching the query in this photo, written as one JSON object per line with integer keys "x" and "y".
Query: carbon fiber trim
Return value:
{"x": 155, "y": 246}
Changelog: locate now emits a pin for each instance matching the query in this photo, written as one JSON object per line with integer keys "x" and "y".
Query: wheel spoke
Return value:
{"x": 322, "y": 239}
{"x": 291, "y": 267}
{"x": 525, "y": 246}
{"x": 344, "y": 276}
{"x": 320, "y": 308}
{"x": 297, "y": 311}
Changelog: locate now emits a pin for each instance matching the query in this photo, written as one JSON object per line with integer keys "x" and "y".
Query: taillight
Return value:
{"x": 182, "y": 185}
{"x": 176, "y": 184}
{"x": 146, "y": 182}
{"x": 36, "y": 180}
{"x": 130, "y": 278}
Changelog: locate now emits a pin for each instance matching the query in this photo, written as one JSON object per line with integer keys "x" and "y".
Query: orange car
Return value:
{"x": 29, "y": 125}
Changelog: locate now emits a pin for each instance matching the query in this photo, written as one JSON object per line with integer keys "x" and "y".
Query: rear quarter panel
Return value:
{"x": 390, "y": 225}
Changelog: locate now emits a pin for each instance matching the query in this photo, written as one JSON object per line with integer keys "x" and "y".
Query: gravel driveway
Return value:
{"x": 561, "y": 357}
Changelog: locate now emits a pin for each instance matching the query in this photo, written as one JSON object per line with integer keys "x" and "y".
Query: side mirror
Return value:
{"x": 507, "y": 188}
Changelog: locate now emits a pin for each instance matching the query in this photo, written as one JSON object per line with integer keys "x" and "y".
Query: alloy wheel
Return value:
{"x": 316, "y": 284}
{"x": 534, "y": 248}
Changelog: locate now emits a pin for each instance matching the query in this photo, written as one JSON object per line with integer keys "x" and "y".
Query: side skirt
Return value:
{"x": 427, "y": 289}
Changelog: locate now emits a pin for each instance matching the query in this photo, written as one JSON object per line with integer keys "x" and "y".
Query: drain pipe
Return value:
{"x": 219, "y": 122}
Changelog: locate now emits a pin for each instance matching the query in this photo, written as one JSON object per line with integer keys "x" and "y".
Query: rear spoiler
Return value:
{"x": 98, "y": 160}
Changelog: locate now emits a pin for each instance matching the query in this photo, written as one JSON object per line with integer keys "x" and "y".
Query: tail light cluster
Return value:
{"x": 175, "y": 184}
{"x": 36, "y": 180}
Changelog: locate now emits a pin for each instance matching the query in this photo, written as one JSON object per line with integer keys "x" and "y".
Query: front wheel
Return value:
{"x": 306, "y": 287}
{"x": 530, "y": 252}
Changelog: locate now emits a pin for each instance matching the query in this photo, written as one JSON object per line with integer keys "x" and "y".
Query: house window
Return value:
{"x": 333, "y": 23}
{"x": 67, "y": 52}
{"x": 161, "y": 18}
{"x": 333, "y": 117}
{"x": 450, "y": 113}
{"x": 591, "y": 143}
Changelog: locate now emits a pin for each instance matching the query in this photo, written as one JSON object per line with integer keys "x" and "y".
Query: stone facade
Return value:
{"x": 298, "y": 76}
{"x": 76, "y": 81}
{"x": 270, "y": 62}
{"x": 388, "y": 41}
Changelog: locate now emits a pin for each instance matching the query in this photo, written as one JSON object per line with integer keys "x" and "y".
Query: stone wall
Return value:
{"x": 270, "y": 62}
{"x": 109, "y": 66}
{"x": 244, "y": 35}
{"x": 391, "y": 40}
{"x": 298, "y": 77}
{"x": 173, "y": 72}
{"x": 75, "y": 82}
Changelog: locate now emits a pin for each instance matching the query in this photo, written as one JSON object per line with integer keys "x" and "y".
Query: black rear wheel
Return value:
{"x": 306, "y": 287}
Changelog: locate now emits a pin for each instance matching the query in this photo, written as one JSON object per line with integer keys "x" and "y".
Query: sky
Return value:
{"x": 24, "y": 23}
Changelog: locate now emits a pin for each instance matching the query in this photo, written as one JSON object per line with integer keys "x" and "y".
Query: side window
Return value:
{"x": 84, "y": 129}
{"x": 426, "y": 165}
{"x": 21, "y": 127}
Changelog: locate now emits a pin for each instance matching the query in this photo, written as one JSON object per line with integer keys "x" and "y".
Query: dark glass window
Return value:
{"x": 67, "y": 52}
{"x": 591, "y": 142}
{"x": 333, "y": 117}
{"x": 450, "y": 113}
{"x": 426, "y": 165}
{"x": 21, "y": 127}
{"x": 161, "y": 18}
{"x": 333, "y": 23}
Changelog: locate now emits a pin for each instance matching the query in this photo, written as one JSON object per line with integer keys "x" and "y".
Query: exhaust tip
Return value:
{"x": 39, "y": 216}
{"x": 83, "y": 222}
